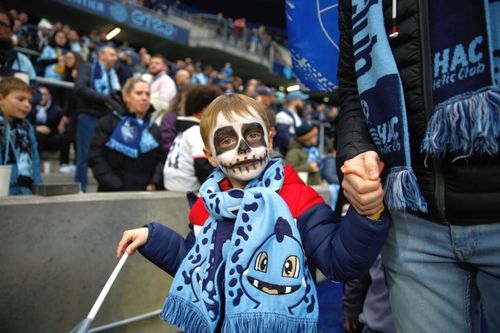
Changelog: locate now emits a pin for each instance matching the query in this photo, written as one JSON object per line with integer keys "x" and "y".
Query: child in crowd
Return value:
{"x": 187, "y": 166}
{"x": 303, "y": 153}
{"x": 18, "y": 146}
{"x": 256, "y": 229}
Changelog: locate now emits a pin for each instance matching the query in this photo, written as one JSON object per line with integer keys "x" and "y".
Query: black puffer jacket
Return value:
{"x": 117, "y": 172}
{"x": 465, "y": 192}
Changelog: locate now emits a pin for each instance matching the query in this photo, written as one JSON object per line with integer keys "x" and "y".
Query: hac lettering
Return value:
{"x": 459, "y": 57}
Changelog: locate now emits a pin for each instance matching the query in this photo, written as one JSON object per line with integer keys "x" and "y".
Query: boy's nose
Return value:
{"x": 243, "y": 147}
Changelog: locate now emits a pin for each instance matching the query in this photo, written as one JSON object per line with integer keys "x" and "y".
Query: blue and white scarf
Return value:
{"x": 255, "y": 280}
{"x": 466, "y": 90}
{"x": 132, "y": 137}
{"x": 382, "y": 100}
{"x": 102, "y": 80}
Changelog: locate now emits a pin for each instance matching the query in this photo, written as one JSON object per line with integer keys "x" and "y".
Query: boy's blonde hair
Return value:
{"x": 228, "y": 105}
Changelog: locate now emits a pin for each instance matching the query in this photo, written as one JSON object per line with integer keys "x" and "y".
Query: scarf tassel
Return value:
{"x": 467, "y": 125}
{"x": 402, "y": 191}
{"x": 267, "y": 322}
{"x": 184, "y": 315}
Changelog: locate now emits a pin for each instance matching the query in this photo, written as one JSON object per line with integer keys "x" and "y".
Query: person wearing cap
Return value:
{"x": 289, "y": 118}
{"x": 264, "y": 95}
{"x": 303, "y": 153}
{"x": 44, "y": 33}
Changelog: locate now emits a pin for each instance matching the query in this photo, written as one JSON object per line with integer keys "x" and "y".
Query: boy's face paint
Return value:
{"x": 240, "y": 146}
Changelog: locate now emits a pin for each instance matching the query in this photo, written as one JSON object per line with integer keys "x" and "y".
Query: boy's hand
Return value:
{"x": 132, "y": 240}
{"x": 362, "y": 185}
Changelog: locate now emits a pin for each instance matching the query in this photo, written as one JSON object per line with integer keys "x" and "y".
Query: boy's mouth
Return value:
{"x": 246, "y": 164}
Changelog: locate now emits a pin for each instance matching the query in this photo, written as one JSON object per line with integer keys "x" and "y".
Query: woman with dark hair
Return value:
{"x": 125, "y": 153}
{"x": 18, "y": 146}
{"x": 52, "y": 57}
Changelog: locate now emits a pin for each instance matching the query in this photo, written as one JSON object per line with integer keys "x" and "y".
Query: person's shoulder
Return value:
{"x": 298, "y": 196}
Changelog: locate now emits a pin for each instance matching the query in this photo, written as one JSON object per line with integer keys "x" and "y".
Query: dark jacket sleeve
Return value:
{"x": 166, "y": 248}
{"x": 341, "y": 250}
{"x": 82, "y": 86}
{"x": 104, "y": 174}
{"x": 354, "y": 295}
{"x": 353, "y": 135}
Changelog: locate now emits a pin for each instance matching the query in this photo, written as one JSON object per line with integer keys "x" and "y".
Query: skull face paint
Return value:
{"x": 240, "y": 145}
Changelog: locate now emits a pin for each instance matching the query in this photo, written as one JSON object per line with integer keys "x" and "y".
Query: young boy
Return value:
{"x": 303, "y": 153}
{"x": 18, "y": 145}
{"x": 243, "y": 267}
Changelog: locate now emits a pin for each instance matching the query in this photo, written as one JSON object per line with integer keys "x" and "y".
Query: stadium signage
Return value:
{"x": 132, "y": 17}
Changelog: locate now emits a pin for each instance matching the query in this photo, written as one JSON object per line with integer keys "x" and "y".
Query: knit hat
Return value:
{"x": 305, "y": 132}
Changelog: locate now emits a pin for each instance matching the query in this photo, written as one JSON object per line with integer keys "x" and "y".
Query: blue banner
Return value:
{"x": 313, "y": 37}
{"x": 132, "y": 17}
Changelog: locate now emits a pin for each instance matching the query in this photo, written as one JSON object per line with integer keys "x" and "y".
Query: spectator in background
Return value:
{"x": 143, "y": 66}
{"x": 182, "y": 79}
{"x": 303, "y": 153}
{"x": 18, "y": 146}
{"x": 329, "y": 171}
{"x": 52, "y": 58}
{"x": 227, "y": 69}
{"x": 202, "y": 77}
{"x": 250, "y": 87}
{"x": 125, "y": 153}
{"x": 13, "y": 63}
{"x": 94, "y": 84}
{"x": 366, "y": 303}
{"x": 76, "y": 45}
{"x": 123, "y": 65}
{"x": 44, "y": 34}
{"x": 162, "y": 87}
{"x": 46, "y": 118}
{"x": 176, "y": 108}
{"x": 187, "y": 166}
{"x": 264, "y": 95}
{"x": 288, "y": 119}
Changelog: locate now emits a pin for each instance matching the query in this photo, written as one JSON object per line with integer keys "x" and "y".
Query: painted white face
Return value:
{"x": 240, "y": 146}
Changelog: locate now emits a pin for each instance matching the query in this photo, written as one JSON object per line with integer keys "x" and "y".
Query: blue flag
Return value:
{"x": 313, "y": 37}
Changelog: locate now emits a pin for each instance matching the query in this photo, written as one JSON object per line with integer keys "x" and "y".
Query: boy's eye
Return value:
{"x": 226, "y": 142}
{"x": 254, "y": 136}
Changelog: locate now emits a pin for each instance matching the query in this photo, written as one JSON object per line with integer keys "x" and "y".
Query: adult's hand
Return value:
{"x": 42, "y": 129}
{"x": 362, "y": 185}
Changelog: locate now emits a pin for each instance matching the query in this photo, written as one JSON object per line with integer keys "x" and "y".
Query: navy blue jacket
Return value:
{"x": 342, "y": 248}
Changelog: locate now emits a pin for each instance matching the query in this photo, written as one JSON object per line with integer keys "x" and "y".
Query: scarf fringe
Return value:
{"x": 267, "y": 322}
{"x": 125, "y": 150}
{"x": 467, "y": 125}
{"x": 184, "y": 315}
{"x": 402, "y": 191}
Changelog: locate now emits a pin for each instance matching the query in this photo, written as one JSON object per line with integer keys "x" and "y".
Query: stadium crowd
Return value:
{"x": 118, "y": 87}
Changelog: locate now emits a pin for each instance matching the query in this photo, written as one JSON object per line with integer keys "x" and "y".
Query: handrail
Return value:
{"x": 125, "y": 321}
{"x": 55, "y": 83}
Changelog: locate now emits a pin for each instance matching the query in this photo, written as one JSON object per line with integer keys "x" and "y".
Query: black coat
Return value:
{"x": 90, "y": 101}
{"x": 117, "y": 172}
{"x": 465, "y": 192}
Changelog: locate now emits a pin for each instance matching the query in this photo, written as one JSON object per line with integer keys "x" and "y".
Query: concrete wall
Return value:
{"x": 57, "y": 253}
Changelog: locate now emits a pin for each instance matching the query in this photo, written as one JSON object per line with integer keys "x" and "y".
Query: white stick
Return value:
{"x": 107, "y": 287}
